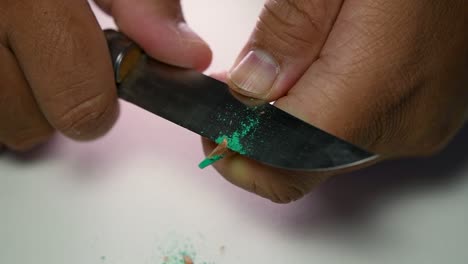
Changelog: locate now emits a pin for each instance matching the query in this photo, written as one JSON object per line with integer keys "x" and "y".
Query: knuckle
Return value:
{"x": 284, "y": 193}
{"x": 404, "y": 123}
{"x": 297, "y": 22}
{"x": 295, "y": 193}
{"x": 84, "y": 105}
{"x": 87, "y": 118}
{"x": 297, "y": 13}
{"x": 385, "y": 127}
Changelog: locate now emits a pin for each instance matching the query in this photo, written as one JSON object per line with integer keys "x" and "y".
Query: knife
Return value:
{"x": 207, "y": 107}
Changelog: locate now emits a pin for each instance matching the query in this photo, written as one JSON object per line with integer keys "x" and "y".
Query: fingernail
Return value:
{"x": 256, "y": 73}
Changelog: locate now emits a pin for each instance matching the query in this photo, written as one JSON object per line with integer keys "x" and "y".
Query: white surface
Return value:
{"x": 136, "y": 196}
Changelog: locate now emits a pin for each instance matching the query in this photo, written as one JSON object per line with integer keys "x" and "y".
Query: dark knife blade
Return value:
{"x": 207, "y": 107}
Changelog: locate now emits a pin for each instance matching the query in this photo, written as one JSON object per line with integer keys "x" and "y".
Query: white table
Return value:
{"x": 135, "y": 196}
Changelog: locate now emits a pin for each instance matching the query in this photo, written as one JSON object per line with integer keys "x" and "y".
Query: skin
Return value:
{"x": 55, "y": 67}
{"x": 389, "y": 76}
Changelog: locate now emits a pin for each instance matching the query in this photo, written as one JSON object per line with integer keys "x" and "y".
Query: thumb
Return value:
{"x": 286, "y": 41}
{"x": 158, "y": 26}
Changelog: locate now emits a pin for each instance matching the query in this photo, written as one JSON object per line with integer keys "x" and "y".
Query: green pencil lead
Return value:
{"x": 217, "y": 154}
{"x": 209, "y": 161}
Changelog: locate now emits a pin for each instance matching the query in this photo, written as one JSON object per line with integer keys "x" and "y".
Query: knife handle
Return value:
{"x": 125, "y": 54}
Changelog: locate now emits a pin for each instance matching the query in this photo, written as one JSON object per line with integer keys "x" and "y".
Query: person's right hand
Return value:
{"x": 55, "y": 69}
{"x": 388, "y": 76}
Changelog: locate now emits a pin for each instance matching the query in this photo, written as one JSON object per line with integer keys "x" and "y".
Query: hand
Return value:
{"x": 389, "y": 76}
{"x": 55, "y": 69}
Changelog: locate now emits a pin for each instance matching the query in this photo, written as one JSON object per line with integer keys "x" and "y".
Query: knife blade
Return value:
{"x": 207, "y": 107}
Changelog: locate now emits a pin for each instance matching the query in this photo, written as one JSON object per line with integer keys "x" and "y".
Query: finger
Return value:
{"x": 279, "y": 186}
{"x": 286, "y": 41}
{"x": 376, "y": 83}
{"x": 23, "y": 126}
{"x": 65, "y": 59}
{"x": 159, "y": 27}
{"x": 220, "y": 76}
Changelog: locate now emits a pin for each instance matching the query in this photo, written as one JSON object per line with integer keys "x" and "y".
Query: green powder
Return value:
{"x": 180, "y": 256}
{"x": 234, "y": 140}
{"x": 209, "y": 161}
{"x": 176, "y": 259}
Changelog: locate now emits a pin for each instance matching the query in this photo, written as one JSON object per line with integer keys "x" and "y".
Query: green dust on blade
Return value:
{"x": 209, "y": 161}
{"x": 234, "y": 140}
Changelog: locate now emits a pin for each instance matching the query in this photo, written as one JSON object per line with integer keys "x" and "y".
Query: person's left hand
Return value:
{"x": 55, "y": 68}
